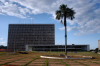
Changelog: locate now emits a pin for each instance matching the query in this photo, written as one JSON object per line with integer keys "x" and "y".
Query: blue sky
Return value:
{"x": 84, "y": 29}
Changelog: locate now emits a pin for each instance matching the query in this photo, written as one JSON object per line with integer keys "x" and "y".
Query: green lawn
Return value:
{"x": 3, "y": 52}
{"x": 78, "y": 53}
{"x": 33, "y": 59}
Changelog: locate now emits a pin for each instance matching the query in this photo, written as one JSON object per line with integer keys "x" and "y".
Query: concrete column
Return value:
{"x": 99, "y": 44}
{"x": 26, "y": 47}
{"x": 88, "y": 48}
{"x": 29, "y": 48}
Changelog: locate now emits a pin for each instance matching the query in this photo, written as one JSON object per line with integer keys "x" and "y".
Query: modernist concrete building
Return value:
{"x": 37, "y": 37}
{"x": 57, "y": 48}
{"x": 20, "y": 35}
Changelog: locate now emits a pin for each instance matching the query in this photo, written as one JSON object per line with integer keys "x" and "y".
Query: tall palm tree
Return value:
{"x": 65, "y": 12}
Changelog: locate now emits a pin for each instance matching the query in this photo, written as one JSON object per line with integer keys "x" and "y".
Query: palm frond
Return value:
{"x": 70, "y": 14}
{"x": 62, "y": 7}
{"x": 59, "y": 15}
{"x": 65, "y": 11}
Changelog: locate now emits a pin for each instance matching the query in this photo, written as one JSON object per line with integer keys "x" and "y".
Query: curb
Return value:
{"x": 64, "y": 58}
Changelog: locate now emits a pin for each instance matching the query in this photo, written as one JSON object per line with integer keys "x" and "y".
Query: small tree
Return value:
{"x": 1, "y": 46}
{"x": 65, "y": 12}
{"x": 96, "y": 50}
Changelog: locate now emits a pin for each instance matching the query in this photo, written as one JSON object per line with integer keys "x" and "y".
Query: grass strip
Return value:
{"x": 11, "y": 61}
{"x": 94, "y": 62}
{"x": 47, "y": 62}
{"x": 81, "y": 63}
{"x": 30, "y": 61}
{"x": 64, "y": 62}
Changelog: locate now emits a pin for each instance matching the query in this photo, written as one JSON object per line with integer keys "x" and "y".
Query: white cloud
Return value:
{"x": 1, "y": 38}
{"x": 3, "y": 43}
{"x": 63, "y": 28}
{"x": 8, "y": 8}
{"x": 68, "y": 28}
{"x": 86, "y": 18}
{"x": 96, "y": 1}
{"x": 92, "y": 26}
{"x": 2, "y": 1}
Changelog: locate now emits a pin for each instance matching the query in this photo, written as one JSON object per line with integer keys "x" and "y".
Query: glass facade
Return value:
{"x": 35, "y": 34}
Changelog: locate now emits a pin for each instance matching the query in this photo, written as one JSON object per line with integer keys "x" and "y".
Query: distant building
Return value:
{"x": 20, "y": 35}
{"x": 37, "y": 37}
{"x": 99, "y": 45}
{"x": 57, "y": 48}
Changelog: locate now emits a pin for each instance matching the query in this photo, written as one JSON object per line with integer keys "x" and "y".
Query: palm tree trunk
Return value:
{"x": 65, "y": 42}
{"x": 65, "y": 36}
